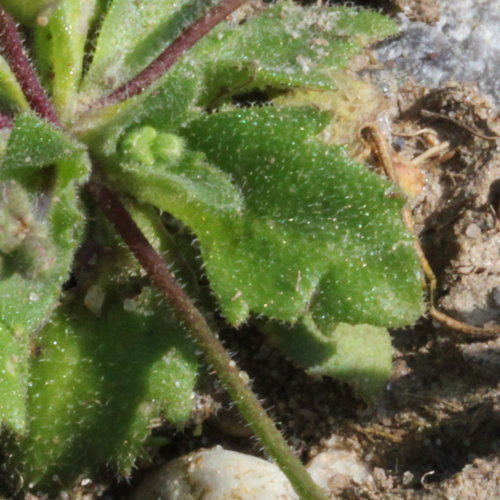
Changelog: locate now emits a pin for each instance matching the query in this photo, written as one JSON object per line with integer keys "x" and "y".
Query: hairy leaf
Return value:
{"x": 308, "y": 46}
{"x": 42, "y": 227}
{"x": 145, "y": 28}
{"x": 60, "y": 42}
{"x": 316, "y": 231}
{"x": 358, "y": 354}
{"x": 11, "y": 95}
{"x": 286, "y": 46}
{"x": 99, "y": 383}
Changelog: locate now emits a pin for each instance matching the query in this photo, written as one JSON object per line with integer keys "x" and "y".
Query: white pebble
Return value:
{"x": 94, "y": 299}
{"x": 336, "y": 469}
{"x": 218, "y": 474}
{"x": 214, "y": 475}
{"x": 473, "y": 231}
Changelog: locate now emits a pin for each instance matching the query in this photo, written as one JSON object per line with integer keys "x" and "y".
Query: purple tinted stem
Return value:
{"x": 214, "y": 352}
{"x": 12, "y": 49}
{"x": 173, "y": 52}
{"x": 5, "y": 121}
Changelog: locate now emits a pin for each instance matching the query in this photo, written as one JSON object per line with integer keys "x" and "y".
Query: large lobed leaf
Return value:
{"x": 314, "y": 231}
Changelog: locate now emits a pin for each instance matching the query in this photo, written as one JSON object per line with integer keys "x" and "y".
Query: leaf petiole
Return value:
{"x": 12, "y": 48}
{"x": 191, "y": 35}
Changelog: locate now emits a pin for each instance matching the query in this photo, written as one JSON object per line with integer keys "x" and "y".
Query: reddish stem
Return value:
{"x": 150, "y": 260}
{"x": 173, "y": 52}
{"x": 12, "y": 48}
{"x": 214, "y": 352}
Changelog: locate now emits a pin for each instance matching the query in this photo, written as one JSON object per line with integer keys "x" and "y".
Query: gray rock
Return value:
{"x": 463, "y": 46}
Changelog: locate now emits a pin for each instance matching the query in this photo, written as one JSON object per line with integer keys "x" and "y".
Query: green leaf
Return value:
{"x": 308, "y": 45}
{"x": 35, "y": 144}
{"x": 166, "y": 108}
{"x": 42, "y": 225}
{"x": 54, "y": 224}
{"x": 27, "y": 11}
{"x": 11, "y": 95}
{"x": 286, "y": 45}
{"x": 99, "y": 383}
{"x": 314, "y": 231}
{"x": 190, "y": 184}
{"x": 60, "y": 43}
{"x": 132, "y": 34}
{"x": 13, "y": 378}
{"x": 319, "y": 231}
{"x": 360, "y": 355}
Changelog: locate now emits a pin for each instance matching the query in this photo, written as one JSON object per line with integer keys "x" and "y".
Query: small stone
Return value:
{"x": 337, "y": 469}
{"x": 94, "y": 299}
{"x": 408, "y": 478}
{"x": 483, "y": 358}
{"x": 473, "y": 231}
{"x": 216, "y": 474}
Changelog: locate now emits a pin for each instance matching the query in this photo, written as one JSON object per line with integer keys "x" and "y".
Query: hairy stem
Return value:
{"x": 12, "y": 49}
{"x": 173, "y": 52}
{"x": 214, "y": 352}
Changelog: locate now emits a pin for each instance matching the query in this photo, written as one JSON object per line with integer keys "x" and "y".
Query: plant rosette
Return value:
{"x": 182, "y": 133}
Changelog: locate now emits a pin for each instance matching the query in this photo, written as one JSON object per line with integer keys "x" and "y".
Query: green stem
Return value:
{"x": 214, "y": 352}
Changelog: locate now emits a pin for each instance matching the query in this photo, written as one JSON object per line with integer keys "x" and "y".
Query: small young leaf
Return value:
{"x": 191, "y": 184}
{"x": 167, "y": 107}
